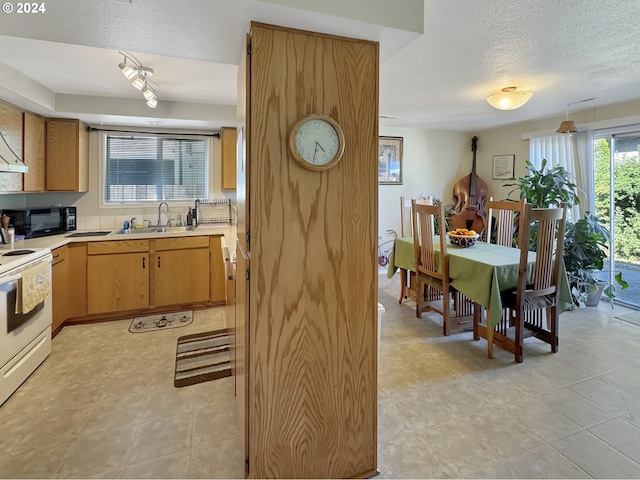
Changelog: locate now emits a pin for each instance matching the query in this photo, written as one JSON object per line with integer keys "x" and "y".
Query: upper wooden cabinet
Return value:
{"x": 11, "y": 129}
{"x": 228, "y": 136}
{"x": 34, "y": 152}
{"x": 67, "y": 155}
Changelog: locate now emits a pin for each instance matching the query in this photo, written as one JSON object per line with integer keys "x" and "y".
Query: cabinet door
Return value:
{"x": 228, "y": 138}
{"x": 11, "y": 130}
{"x": 67, "y": 155}
{"x": 217, "y": 271}
{"x": 59, "y": 288}
{"x": 117, "y": 282}
{"x": 34, "y": 140}
{"x": 181, "y": 276}
{"x": 77, "y": 276}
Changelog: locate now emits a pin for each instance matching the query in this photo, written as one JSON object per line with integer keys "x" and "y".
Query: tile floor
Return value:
{"x": 104, "y": 406}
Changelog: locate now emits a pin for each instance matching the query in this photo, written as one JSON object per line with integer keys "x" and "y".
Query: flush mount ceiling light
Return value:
{"x": 509, "y": 99}
{"x": 138, "y": 75}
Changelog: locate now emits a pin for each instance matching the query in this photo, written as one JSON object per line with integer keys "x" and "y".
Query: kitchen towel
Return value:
{"x": 33, "y": 287}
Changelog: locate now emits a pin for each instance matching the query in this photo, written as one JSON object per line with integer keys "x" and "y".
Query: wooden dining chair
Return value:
{"x": 424, "y": 216}
{"x": 501, "y": 221}
{"x": 537, "y": 286}
{"x": 501, "y": 218}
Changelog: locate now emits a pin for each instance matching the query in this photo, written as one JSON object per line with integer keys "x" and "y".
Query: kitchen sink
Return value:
{"x": 133, "y": 231}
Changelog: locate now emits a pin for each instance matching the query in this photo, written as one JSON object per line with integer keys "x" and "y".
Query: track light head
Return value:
{"x": 148, "y": 92}
{"x": 152, "y": 102}
{"x": 127, "y": 70}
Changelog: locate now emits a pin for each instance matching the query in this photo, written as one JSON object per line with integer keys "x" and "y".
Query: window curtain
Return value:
{"x": 560, "y": 150}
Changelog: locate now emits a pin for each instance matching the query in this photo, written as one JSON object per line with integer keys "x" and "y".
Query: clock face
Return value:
{"x": 317, "y": 142}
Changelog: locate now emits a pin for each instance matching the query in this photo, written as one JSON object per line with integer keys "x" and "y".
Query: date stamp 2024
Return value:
{"x": 24, "y": 7}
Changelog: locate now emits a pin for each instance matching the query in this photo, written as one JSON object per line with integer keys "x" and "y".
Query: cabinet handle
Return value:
{"x": 143, "y": 262}
{"x": 158, "y": 262}
{"x": 56, "y": 256}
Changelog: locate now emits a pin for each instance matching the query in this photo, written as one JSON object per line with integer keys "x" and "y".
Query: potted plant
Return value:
{"x": 585, "y": 241}
{"x": 585, "y": 251}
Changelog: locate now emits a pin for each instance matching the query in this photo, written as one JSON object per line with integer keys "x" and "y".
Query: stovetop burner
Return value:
{"x": 17, "y": 252}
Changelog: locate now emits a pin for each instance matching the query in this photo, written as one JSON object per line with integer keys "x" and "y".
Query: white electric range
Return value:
{"x": 25, "y": 338}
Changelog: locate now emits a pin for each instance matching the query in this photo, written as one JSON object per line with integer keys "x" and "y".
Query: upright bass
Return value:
{"x": 469, "y": 195}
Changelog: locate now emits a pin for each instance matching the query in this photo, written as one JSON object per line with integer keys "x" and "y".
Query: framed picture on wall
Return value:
{"x": 390, "y": 160}
{"x": 503, "y": 166}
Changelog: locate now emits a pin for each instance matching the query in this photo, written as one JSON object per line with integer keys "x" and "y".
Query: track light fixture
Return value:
{"x": 138, "y": 75}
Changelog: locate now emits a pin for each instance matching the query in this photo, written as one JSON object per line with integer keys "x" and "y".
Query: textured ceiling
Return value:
{"x": 563, "y": 51}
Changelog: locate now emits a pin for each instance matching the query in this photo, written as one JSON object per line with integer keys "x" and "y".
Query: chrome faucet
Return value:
{"x": 159, "y": 217}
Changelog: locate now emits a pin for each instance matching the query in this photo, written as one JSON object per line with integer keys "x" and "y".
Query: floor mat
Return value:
{"x": 161, "y": 322}
{"x": 202, "y": 357}
{"x": 633, "y": 317}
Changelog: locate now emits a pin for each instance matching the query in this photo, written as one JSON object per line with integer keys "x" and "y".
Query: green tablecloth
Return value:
{"x": 479, "y": 272}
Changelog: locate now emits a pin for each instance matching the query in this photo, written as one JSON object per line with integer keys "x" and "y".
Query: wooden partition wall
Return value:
{"x": 307, "y": 276}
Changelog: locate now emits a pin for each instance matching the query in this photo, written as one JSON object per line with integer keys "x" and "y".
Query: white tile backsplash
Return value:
{"x": 108, "y": 222}
{"x": 91, "y": 222}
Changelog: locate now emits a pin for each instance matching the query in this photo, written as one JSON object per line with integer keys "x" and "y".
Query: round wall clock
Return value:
{"x": 317, "y": 142}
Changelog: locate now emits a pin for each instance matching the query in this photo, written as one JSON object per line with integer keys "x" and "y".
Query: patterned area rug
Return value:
{"x": 161, "y": 322}
{"x": 202, "y": 357}
{"x": 633, "y": 317}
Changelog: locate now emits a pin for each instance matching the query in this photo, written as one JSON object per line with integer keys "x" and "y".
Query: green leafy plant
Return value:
{"x": 585, "y": 251}
{"x": 585, "y": 242}
{"x": 546, "y": 187}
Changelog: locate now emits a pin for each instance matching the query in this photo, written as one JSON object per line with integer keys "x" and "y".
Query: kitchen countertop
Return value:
{"x": 55, "y": 241}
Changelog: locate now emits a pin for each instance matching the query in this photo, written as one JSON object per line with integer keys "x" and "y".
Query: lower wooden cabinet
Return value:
{"x": 118, "y": 276}
{"x": 59, "y": 288}
{"x": 180, "y": 270}
{"x": 108, "y": 277}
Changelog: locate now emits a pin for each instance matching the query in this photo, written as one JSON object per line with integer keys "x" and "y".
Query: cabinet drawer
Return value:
{"x": 118, "y": 246}
{"x": 180, "y": 243}
{"x": 59, "y": 254}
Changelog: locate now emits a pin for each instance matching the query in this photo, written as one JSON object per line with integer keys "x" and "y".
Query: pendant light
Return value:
{"x": 567, "y": 126}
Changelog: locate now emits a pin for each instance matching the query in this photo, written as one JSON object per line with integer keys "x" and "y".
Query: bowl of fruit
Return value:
{"x": 463, "y": 238}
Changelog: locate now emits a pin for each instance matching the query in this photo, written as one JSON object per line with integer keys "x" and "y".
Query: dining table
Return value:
{"x": 480, "y": 272}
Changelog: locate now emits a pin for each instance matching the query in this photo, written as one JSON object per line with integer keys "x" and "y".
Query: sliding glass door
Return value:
{"x": 617, "y": 204}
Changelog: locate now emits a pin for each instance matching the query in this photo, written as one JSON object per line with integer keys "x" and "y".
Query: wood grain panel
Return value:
{"x": 241, "y": 334}
{"x": 177, "y": 243}
{"x": 34, "y": 152}
{"x": 118, "y": 246}
{"x": 313, "y": 287}
{"x": 82, "y": 161}
{"x": 11, "y": 129}
{"x": 77, "y": 275}
{"x": 67, "y": 155}
{"x": 228, "y": 138}
{"x": 117, "y": 282}
{"x": 181, "y": 276}
{"x": 217, "y": 275}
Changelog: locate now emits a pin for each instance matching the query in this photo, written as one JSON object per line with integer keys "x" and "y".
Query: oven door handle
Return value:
{"x": 10, "y": 279}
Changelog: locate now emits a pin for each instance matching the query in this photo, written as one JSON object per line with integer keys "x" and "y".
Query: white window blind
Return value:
{"x": 154, "y": 168}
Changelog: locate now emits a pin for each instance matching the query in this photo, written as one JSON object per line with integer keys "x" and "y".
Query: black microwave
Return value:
{"x": 42, "y": 221}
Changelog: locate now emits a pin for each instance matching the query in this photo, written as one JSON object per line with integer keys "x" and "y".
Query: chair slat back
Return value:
{"x": 549, "y": 248}
{"x": 505, "y": 215}
{"x": 423, "y": 216}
